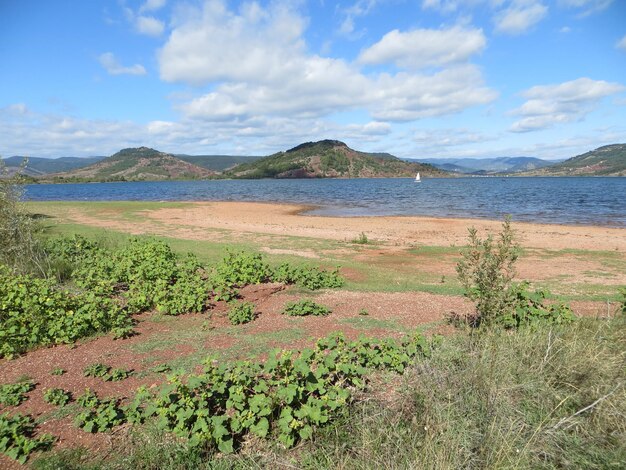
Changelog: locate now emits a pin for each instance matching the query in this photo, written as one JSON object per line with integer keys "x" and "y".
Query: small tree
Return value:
{"x": 19, "y": 247}
{"x": 486, "y": 271}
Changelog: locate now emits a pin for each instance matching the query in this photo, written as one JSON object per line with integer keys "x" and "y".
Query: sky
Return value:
{"x": 418, "y": 79}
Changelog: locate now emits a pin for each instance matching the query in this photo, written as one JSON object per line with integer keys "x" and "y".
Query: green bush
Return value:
{"x": 241, "y": 312}
{"x": 20, "y": 247}
{"x": 15, "y": 394}
{"x": 486, "y": 271}
{"x": 37, "y": 312}
{"x": 240, "y": 268}
{"x": 57, "y": 396}
{"x": 305, "y": 307}
{"x": 16, "y": 437}
{"x": 308, "y": 277}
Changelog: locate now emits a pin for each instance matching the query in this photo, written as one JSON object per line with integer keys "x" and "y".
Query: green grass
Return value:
{"x": 367, "y": 323}
{"x": 543, "y": 398}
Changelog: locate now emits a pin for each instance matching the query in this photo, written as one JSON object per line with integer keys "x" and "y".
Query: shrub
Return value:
{"x": 96, "y": 370}
{"x": 39, "y": 312}
{"x": 57, "y": 396}
{"x": 239, "y": 268}
{"x": 15, "y": 394}
{"x": 305, "y": 307}
{"x": 486, "y": 271}
{"x": 361, "y": 239}
{"x": 16, "y": 439}
{"x": 241, "y": 312}
{"x": 19, "y": 244}
{"x": 308, "y": 277}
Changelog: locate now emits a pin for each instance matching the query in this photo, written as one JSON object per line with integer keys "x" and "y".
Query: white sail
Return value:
{"x": 417, "y": 178}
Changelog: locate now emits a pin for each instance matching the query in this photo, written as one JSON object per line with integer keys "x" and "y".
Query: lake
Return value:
{"x": 580, "y": 200}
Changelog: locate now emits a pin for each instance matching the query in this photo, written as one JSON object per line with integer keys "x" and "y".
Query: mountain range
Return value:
{"x": 489, "y": 165}
{"x": 323, "y": 159}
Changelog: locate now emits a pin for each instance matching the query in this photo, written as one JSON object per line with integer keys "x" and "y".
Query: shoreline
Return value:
{"x": 192, "y": 217}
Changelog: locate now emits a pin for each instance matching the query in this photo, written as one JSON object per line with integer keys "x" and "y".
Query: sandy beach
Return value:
{"x": 284, "y": 219}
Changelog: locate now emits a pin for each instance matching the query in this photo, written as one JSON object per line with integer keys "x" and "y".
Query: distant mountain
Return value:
{"x": 609, "y": 160}
{"x": 329, "y": 159}
{"x": 488, "y": 165}
{"x": 216, "y": 162}
{"x": 135, "y": 164}
{"x": 37, "y": 166}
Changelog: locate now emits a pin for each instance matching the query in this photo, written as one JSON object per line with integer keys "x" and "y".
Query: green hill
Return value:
{"x": 609, "y": 160}
{"x": 330, "y": 159}
{"x": 136, "y": 164}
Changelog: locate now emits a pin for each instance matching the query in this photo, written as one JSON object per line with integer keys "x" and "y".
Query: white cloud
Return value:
{"x": 588, "y": 6}
{"x": 422, "y": 48}
{"x": 621, "y": 44}
{"x": 548, "y": 105}
{"x": 25, "y": 132}
{"x": 149, "y": 26}
{"x": 152, "y": 5}
{"x": 520, "y": 16}
{"x": 113, "y": 67}
{"x": 357, "y": 9}
{"x": 565, "y": 30}
{"x": 258, "y": 64}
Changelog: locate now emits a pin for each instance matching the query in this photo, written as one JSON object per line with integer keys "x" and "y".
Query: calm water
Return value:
{"x": 591, "y": 201}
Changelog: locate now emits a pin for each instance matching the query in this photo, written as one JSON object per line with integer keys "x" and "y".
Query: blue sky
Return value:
{"x": 419, "y": 79}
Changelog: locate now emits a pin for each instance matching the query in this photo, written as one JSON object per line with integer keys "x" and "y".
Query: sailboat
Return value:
{"x": 417, "y": 178}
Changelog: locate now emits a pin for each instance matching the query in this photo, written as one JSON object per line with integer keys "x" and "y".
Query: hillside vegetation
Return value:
{"x": 609, "y": 160}
{"x": 136, "y": 164}
{"x": 330, "y": 159}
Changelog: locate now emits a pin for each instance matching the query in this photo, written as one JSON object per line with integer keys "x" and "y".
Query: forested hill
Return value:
{"x": 136, "y": 164}
{"x": 330, "y": 159}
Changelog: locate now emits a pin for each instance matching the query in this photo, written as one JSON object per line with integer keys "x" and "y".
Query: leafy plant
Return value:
{"x": 363, "y": 312}
{"x": 39, "y": 312}
{"x": 16, "y": 437}
{"x": 116, "y": 375}
{"x": 241, "y": 312}
{"x": 240, "y": 268}
{"x": 57, "y": 396}
{"x": 57, "y": 371}
{"x": 486, "y": 271}
{"x": 305, "y": 307}
{"x": 99, "y": 415}
{"x": 14, "y": 394}
{"x": 308, "y": 277}
{"x": 96, "y": 370}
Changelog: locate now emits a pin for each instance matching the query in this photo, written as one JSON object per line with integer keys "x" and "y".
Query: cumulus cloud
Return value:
{"x": 520, "y": 16}
{"x": 548, "y": 105}
{"x": 422, "y": 48}
{"x": 26, "y": 132}
{"x": 621, "y": 44}
{"x": 257, "y": 61}
{"x": 149, "y": 26}
{"x": 113, "y": 67}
